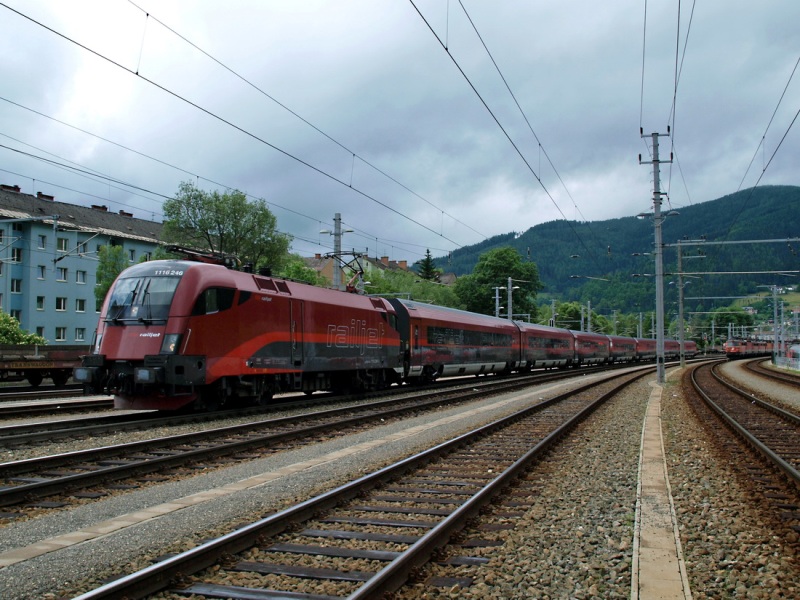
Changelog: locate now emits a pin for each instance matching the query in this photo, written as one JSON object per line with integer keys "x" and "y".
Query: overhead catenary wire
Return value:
{"x": 354, "y": 154}
{"x": 542, "y": 150}
{"x": 94, "y": 176}
{"x": 398, "y": 244}
{"x": 500, "y": 125}
{"x": 231, "y": 124}
{"x": 673, "y": 109}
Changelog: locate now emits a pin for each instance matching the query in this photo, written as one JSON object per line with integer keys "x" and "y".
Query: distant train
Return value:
{"x": 36, "y": 363}
{"x": 180, "y": 333}
{"x": 746, "y": 348}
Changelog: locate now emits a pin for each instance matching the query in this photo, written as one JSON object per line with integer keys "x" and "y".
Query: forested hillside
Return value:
{"x": 617, "y": 249}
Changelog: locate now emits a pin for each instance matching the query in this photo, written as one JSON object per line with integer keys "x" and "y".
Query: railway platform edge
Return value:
{"x": 658, "y": 570}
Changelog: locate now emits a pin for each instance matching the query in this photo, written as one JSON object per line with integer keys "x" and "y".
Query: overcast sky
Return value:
{"x": 356, "y": 107}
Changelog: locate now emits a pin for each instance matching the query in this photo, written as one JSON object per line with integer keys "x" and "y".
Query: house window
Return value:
{"x": 40, "y": 331}
{"x": 62, "y": 273}
{"x": 16, "y": 226}
{"x": 132, "y": 254}
{"x": 2, "y": 235}
{"x": 17, "y": 314}
{"x": 61, "y": 334}
{"x": 42, "y": 271}
{"x": 80, "y": 276}
{"x": 80, "y": 334}
{"x": 63, "y": 244}
{"x": 16, "y": 286}
{"x": 42, "y": 242}
{"x": 148, "y": 256}
{"x": 16, "y": 255}
{"x": 82, "y": 248}
{"x": 80, "y": 305}
{"x": 61, "y": 304}
{"x": 39, "y": 302}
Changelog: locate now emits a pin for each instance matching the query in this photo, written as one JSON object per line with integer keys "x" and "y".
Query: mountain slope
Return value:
{"x": 605, "y": 249}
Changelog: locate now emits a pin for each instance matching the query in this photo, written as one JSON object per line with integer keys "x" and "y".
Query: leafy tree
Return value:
{"x": 158, "y": 254}
{"x": 477, "y": 293}
{"x": 295, "y": 268}
{"x": 403, "y": 283}
{"x": 427, "y": 267}
{"x": 226, "y": 223}
{"x": 569, "y": 315}
{"x": 12, "y": 333}
{"x": 112, "y": 261}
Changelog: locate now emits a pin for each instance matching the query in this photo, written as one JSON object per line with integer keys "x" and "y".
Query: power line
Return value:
{"x": 231, "y": 124}
{"x": 521, "y": 112}
{"x": 295, "y": 114}
{"x": 497, "y": 122}
{"x": 769, "y": 124}
{"x": 752, "y": 190}
{"x": 92, "y": 175}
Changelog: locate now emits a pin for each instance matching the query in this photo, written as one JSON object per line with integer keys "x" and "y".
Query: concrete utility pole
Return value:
{"x": 589, "y": 316}
{"x": 657, "y": 220}
{"x": 337, "y": 234}
{"x": 511, "y": 289}
{"x": 497, "y": 301}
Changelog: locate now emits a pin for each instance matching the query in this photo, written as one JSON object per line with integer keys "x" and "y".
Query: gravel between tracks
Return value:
{"x": 574, "y": 542}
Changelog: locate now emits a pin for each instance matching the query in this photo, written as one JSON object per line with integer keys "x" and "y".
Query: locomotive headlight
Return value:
{"x": 148, "y": 375}
{"x": 83, "y": 374}
{"x": 171, "y": 343}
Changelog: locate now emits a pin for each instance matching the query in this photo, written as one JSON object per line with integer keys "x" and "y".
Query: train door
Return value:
{"x": 296, "y": 320}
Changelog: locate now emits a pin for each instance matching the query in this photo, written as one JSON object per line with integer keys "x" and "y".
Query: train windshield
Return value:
{"x": 141, "y": 299}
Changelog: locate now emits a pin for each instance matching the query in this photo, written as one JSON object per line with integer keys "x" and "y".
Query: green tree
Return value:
{"x": 226, "y": 223}
{"x": 12, "y": 333}
{"x": 295, "y": 268}
{"x": 158, "y": 254}
{"x": 477, "y": 293}
{"x": 427, "y": 267}
{"x": 111, "y": 262}
{"x": 404, "y": 283}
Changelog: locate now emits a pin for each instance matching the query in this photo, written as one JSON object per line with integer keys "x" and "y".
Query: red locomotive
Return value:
{"x": 746, "y": 348}
{"x": 175, "y": 333}
{"x": 182, "y": 333}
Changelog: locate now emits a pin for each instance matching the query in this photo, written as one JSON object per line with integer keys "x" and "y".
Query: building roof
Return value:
{"x": 92, "y": 219}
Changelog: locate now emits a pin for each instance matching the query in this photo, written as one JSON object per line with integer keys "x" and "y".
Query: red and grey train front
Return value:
{"x": 137, "y": 346}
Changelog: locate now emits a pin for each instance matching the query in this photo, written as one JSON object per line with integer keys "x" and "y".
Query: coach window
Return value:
{"x": 214, "y": 300}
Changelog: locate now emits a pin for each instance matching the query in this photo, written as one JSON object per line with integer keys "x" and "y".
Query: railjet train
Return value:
{"x": 181, "y": 333}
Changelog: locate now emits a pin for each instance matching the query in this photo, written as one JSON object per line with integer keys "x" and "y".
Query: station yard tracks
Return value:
{"x": 369, "y": 537}
{"x": 761, "y": 438}
{"x": 56, "y": 481}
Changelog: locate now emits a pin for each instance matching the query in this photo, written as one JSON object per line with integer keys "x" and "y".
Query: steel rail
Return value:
{"x": 159, "y": 576}
{"x": 745, "y": 435}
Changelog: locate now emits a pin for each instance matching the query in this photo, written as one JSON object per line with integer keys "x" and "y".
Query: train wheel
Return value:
{"x": 34, "y": 378}
{"x": 60, "y": 378}
{"x": 214, "y": 397}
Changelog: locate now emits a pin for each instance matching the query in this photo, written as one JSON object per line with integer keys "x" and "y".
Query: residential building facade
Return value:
{"x": 48, "y": 261}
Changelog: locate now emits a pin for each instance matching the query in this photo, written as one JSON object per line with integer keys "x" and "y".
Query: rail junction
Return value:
{"x": 651, "y": 564}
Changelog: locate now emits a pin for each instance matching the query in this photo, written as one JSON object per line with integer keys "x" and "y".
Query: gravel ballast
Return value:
{"x": 575, "y": 541}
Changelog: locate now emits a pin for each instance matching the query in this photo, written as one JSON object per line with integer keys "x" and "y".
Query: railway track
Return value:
{"x": 765, "y": 440}
{"x": 369, "y": 537}
{"x": 81, "y": 475}
{"x": 17, "y": 435}
{"x": 49, "y": 403}
{"x": 755, "y": 366}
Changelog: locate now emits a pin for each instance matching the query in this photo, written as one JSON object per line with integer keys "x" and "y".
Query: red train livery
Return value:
{"x": 744, "y": 348}
{"x": 176, "y": 334}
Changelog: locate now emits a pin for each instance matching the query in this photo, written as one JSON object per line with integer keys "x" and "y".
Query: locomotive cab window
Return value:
{"x": 141, "y": 299}
{"x": 214, "y": 300}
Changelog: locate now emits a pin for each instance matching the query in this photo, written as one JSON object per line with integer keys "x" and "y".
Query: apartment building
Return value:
{"x": 48, "y": 260}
